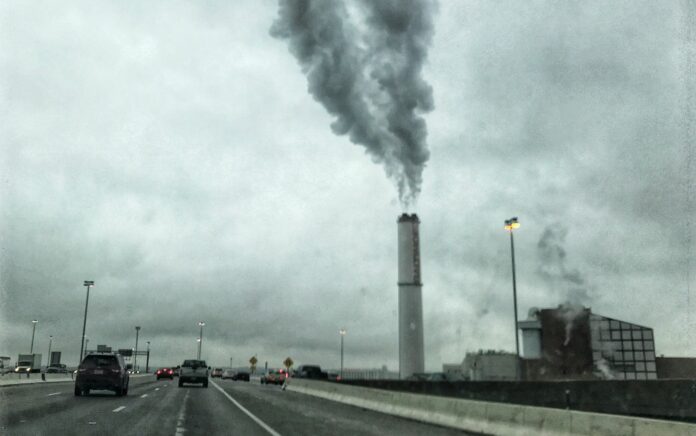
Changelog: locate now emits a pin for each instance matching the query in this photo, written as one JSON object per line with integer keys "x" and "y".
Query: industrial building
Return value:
{"x": 571, "y": 342}
{"x": 488, "y": 365}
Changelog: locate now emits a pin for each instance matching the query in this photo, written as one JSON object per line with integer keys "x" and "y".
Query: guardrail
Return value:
{"x": 488, "y": 417}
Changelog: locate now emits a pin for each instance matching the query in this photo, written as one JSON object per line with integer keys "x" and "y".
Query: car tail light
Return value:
{"x": 171, "y": 372}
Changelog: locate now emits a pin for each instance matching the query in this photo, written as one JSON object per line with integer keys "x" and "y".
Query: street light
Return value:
{"x": 147, "y": 361}
{"x": 88, "y": 284}
{"x": 31, "y": 349}
{"x": 342, "y": 332}
{"x": 135, "y": 361}
{"x": 200, "y": 338}
{"x": 511, "y": 225}
{"x": 50, "y": 342}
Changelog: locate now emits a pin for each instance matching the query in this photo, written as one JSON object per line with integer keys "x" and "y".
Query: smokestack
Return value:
{"x": 411, "y": 354}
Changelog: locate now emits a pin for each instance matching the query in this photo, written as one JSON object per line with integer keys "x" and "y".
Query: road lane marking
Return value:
{"x": 243, "y": 409}
{"x": 55, "y": 393}
{"x": 180, "y": 430}
{"x": 118, "y": 409}
{"x": 157, "y": 389}
{"x": 143, "y": 396}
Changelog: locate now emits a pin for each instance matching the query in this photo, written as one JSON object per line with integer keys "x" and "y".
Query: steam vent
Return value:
{"x": 411, "y": 355}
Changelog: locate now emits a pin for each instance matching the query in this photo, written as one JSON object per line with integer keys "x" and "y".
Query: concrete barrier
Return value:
{"x": 488, "y": 417}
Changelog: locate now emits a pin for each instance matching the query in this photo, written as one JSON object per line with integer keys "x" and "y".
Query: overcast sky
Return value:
{"x": 171, "y": 152}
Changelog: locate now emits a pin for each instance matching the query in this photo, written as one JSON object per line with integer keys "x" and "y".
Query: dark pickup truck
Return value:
{"x": 311, "y": 372}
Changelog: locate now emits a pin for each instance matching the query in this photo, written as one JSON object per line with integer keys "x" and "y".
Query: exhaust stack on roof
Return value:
{"x": 411, "y": 354}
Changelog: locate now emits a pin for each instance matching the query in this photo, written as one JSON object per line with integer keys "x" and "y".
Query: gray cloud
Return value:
{"x": 171, "y": 154}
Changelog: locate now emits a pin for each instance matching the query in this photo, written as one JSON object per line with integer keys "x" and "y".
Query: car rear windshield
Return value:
{"x": 192, "y": 363}
{"x": 92, "y": 362}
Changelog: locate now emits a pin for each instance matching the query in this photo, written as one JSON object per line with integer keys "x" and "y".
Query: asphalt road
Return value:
{"x": 162, "y": 408}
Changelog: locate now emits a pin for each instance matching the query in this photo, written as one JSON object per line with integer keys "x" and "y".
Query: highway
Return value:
{"x": 162, "y": 408}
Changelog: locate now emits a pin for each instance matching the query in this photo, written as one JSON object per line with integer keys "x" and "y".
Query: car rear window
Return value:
{"x": 190, "y": 363}
{"x": 92, "y": 362}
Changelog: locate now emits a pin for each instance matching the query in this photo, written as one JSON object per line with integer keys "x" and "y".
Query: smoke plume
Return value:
{"x": 363, "y": 62}
{"x": 553, "y": 269}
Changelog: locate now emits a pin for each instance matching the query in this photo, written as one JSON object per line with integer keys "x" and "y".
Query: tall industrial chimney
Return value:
{"x": 411, "y": 354}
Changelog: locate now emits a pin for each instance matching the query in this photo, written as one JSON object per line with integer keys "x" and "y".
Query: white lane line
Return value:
{"x": 180, "y": 430}
{"x": 157, "y": 389}
{"x": 143, "y": 396}
{"x": 118, "y": 409}
{"x": 249, "y": 414}
{"x": 55, "y": 393}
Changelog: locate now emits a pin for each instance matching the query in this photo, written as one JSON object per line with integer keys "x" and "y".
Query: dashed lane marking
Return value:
{"x": 118, "y": 409}
{"x": 243, "y": 409}
{"x": 55, "y": 393}
{"x": 143, "y": 396}
{"x": 157, "y": 389}
{"x": 180, "y": 429}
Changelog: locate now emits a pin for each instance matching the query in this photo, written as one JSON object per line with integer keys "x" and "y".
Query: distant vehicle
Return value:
{"x": 228, "y": 374}
{"x": 28, "y": 363}
{"x": 333, "y": 376}
{"x": 217, "y": 372}
{"x": 102, "y": 371}
{"x": 164, "y": 373}
{"x": 274, "y": 377}
{"x": 311, "y": 371}
{"x": 176, "y": 370}
{"x": 57, "y": 368}
{"x": 193, "y": 371}
{"x": 241, "y": 376}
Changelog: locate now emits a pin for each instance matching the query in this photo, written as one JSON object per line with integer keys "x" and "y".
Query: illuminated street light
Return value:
{"x": 88, "y": 284}
{"x": 33, "y": 331}
{"x": 510, "y": 225}
{"x": 200, "y": 339}
{"x": 342, "y": 332}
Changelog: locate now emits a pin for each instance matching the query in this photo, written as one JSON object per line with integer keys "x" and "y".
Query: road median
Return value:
{"x": 488, "y": 417}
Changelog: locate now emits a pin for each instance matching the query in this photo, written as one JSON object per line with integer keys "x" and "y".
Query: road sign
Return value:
{"x": 126, "y": 352}
{"x": 288, "y": 362}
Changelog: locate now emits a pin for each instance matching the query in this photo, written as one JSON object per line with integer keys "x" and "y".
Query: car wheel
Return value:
{"x": 78, "y": 392}
{"x": 119, "y": 392}
{"x": 205, "y": 384}
{"x": 181, "y": 384}
{"x": 85, "y": 392}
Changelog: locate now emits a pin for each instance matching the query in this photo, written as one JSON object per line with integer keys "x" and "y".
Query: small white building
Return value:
{"x": 488, "y": 365}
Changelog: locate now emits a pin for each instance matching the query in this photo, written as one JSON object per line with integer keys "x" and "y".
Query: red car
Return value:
{"x": 165, "y": 373}
{"x": 274, "y": 377}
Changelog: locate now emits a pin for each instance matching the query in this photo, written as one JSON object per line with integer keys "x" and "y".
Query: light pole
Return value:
{"x": 48, "y": 359}
{"x": 135, "y": 361}
{"x": 88, "y": 284}
{"x": 31, "y": 349}
{"x": 342, "y": 332}
{"x": 511, "y": 225}
{"x": 147, "y": 361}
{"x": 200, "y": 339}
